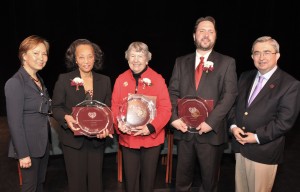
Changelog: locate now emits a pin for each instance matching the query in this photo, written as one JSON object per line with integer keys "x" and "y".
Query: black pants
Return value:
{"x": 209, "y": 159}
{"x": 140, "y": 167}
{"x": 33, "y": 178}
{"x": 84, "y": 167}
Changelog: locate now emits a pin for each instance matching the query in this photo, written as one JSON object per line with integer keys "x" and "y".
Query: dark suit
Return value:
{"x": 219, "y": 85}
{"x": 76, "y": 148}
{"x": 271, "y": 114}
{"x": 28, "y": 127}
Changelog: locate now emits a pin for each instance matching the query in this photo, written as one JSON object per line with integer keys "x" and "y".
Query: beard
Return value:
{"x": 204, "y": 48}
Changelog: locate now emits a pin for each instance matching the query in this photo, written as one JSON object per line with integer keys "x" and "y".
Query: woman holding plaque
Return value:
{"x": 140, "y": 140}
{"x": 28, "y": 108}
{"x": 83, "y": 155}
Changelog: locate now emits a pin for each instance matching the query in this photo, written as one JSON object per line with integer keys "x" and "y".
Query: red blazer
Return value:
{"x": 125, "y": 84}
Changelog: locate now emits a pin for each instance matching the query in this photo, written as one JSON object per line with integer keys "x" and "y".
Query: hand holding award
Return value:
{"x": 137, "y": 110}
{"x": 193, "y": 111}
{"x": 93, "y": 118}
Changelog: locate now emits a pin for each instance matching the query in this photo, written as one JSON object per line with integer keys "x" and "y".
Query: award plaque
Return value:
{"x": 137, "y": 110}
{"x": 93, "y": 117}
{"x": 193, "y": 111}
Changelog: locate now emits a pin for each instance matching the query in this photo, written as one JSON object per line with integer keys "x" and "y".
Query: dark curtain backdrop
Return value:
{"x": 166, "y": 27}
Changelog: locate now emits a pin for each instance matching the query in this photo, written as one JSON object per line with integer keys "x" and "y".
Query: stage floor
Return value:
{"x": 287, "y": 178}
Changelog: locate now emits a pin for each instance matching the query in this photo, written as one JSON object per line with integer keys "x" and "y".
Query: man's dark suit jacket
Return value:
{"x": 28, "y": 127}
{"x": 65, "y": 97}
{"x": 219, "y": 85}
{"x": 271, "y": 114}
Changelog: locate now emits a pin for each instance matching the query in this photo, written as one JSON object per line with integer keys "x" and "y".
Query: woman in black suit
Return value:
{"x": 83, "y": 155}
{"x": 28, "y": 107}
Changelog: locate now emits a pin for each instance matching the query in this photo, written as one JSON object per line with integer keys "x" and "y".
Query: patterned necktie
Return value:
{"x": 256, "y": 90}
{"x": 198, "y": 72}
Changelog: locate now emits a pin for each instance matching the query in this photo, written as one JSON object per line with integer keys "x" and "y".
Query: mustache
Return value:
{"x": 205, "y": 38}
{"x": 199, "y": 46}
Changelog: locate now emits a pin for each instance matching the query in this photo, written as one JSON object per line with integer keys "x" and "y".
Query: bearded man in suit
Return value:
{"x": 218, "y": 83}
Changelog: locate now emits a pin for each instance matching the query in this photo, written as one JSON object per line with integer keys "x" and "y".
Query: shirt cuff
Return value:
{"x": 151, "y": 128}
{"x": 256, "y": 138}
{"x": 232, "y": 126}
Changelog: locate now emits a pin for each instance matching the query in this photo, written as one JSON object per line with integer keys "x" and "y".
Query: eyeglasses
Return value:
{"x": 263, "y": 54}
{"x": 45, "y": 106}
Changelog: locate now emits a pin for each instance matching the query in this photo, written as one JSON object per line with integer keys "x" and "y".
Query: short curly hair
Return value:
{"x": 139, "y": 47}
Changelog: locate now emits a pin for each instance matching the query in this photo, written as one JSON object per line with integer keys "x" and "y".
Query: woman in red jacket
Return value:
{"x": 141, "y": 144}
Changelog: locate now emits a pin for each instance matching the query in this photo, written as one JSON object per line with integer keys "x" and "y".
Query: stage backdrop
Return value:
{"x": 166, "y": 27}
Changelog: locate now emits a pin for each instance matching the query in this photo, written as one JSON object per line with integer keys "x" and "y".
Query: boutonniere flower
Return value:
{"x": 77, "y": 82}
{"x": 208, "y": 66}
{"x": 272, "y": 86}
{"x": 146, "y": 82}
{"x": 125, "y": 84}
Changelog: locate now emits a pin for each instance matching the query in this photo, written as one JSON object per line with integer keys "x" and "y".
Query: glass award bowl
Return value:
{"x": 137, "y": 110}
{"x": 93, "y": 117}
{"x": 193, "y": 111}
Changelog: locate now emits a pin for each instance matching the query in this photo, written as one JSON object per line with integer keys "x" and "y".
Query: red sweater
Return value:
{"x": 125, "y": 84}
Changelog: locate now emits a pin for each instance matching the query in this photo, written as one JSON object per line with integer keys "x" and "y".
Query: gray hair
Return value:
{"x": 139, "y": 47}
{"x": 269, "y": 39}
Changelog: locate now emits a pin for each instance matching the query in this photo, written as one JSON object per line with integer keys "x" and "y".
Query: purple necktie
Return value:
{"x": 256, "y": 90}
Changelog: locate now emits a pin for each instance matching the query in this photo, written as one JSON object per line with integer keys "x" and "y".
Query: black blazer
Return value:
{"x": 219, "y": 85}
{"x": 28, "y": 126}
{"x": 271, "y": 114}
{"x": 65, "y": 97}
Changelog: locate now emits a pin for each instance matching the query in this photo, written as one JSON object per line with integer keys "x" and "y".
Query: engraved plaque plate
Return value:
{"x": 137, "y": 110}
{"x": 93, "y": 117}
{"x": 193, "y": 111}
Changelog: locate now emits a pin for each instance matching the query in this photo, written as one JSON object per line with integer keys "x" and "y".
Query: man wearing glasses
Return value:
{"x": 266, "y": 108}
